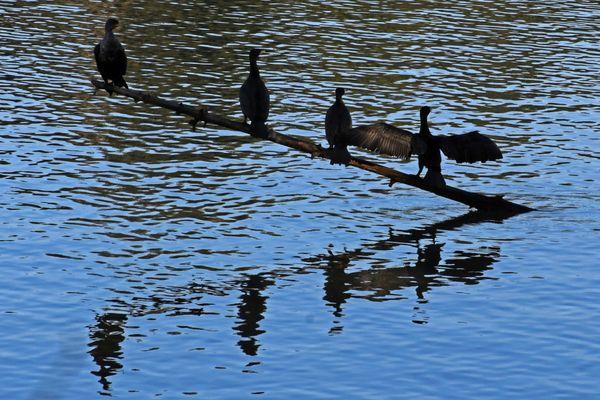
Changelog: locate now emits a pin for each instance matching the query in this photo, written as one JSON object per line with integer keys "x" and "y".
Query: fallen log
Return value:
{"x": 490, "y": 203}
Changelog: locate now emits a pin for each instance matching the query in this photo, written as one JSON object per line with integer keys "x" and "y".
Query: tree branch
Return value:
{"x": 475, "y": 200}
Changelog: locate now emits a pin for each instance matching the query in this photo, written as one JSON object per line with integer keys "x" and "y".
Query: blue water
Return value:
{"x": 141, "y": 259}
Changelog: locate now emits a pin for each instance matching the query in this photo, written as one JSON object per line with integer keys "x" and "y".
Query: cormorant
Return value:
{"x": 110, "y": 56}
{"x": 337, "y": 123}
{"x": 254, "y": 99}
{"x": 386, "y": 139}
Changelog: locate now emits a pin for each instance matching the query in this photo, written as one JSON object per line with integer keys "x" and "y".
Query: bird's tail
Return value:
{"x": 340, "y": 155}
{"x": 435, "y": 178}
{"x": 259, "y": 129}
{"x": 120, "y": 82}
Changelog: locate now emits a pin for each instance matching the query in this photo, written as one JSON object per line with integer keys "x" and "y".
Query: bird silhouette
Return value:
{"x": 254, "y": 99}
{"x": 111, "y": 60}
{"x": 387, "y": 139}
{"x": 337, "y": 123}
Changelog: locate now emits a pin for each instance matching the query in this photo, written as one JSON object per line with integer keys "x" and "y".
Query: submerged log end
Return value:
{"x": 497, "y": 204}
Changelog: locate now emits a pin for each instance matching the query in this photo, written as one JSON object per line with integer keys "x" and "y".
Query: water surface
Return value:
{"x": 141, "y": 259}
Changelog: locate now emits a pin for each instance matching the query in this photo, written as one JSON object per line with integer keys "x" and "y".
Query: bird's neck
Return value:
{"x": 338, "y": 100}
{"x": 424, "y": 126}
{"x": 109, "y": 33}
{"x": 254, "y": 68}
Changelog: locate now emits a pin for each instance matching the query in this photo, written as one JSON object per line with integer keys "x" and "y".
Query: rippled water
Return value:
{"x": 141, "y": 259}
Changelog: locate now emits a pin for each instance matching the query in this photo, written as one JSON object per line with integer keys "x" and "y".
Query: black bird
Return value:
{"x": 386, "y": 139}
{"x": 110, "y": 56}
{"x": 254, "y": 99}
{"x": 337, "y": 124}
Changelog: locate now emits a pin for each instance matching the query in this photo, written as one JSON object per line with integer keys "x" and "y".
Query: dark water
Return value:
{"x": 140, "y": 259}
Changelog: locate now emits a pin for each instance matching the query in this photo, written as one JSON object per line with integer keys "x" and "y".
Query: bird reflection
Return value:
{"x": 106, "y": 338}
{"x": 251, "y": 311}
{"x": 380, "y": 284}
{"x": 430, "y": 269}
{"x": 428, "y": 260}
{"x": 336, "y": 281}
{"x": 469, "y": 267}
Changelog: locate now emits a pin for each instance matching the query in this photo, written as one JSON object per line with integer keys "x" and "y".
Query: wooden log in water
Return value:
{"x": 490, "y": 203}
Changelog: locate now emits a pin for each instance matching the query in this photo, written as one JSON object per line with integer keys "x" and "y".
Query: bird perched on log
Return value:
{"x": 254, "y": 99}
{"x": 386, "y": 139}
{"x": 110, "y": 56}
{"x": 337, "y": 123}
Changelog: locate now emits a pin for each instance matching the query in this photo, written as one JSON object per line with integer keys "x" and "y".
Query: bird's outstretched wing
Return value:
{"x": 386, "y": 139}
{"x": 469, "y": 147}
